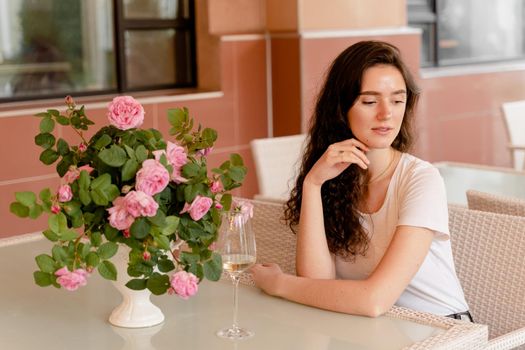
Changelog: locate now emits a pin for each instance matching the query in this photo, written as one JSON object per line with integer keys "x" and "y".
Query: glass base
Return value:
{"x": 235, "y": 333}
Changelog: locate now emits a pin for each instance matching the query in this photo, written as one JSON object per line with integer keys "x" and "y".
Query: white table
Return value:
{"x": 460, "y": 177}
{"x": 32, "y": 317}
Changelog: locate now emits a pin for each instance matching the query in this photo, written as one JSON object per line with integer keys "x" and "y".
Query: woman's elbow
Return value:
{"x": 376, "y": 305}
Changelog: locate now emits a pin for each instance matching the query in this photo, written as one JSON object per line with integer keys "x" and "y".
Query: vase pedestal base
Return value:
{"x": 136, "y": 310}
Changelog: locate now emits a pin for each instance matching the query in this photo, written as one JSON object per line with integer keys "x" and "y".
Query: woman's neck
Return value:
{"x": 381, "y": 161}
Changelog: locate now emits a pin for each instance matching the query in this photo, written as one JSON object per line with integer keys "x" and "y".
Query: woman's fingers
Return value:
{"x": 349, "y": 151}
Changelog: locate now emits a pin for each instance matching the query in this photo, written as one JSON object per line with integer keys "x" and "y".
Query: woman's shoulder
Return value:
{"x": 412, "y": 167}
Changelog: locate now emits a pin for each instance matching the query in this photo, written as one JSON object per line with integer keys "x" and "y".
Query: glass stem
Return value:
{"x": 235, "y": 279}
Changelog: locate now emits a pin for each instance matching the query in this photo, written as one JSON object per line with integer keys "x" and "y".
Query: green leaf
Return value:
{"x": 137, "y": 284}
{"x": 45, "y": 195}
{"x": 129, "y": 151}
{"x": 140, "y": 228}
{"x": 53, "y": 237}
{"x": 96, "y": 239}
{"x": 68, "y": 235}
{"x": 84, "y": 179}
{"x": 62, "y": 120}
{"x": 107, "y": 250}
{"x": 85, "y": 198}
{"x": 99, "y": 197}
{"x": 162, "y": 241}
{"x": 158, "y": 284}
{"x": 26, "y": 198}
{"x": 43, "y": 279}
{"x": 102, "y": 142}
{"x": 47, "y": 125}
{"x": 58, "y": 223}
{"x": 19, "y": 209}
{"x": 166, "y": 265}
{"x": 102, "y": 181}
{"x": 35, "y": 211}
{"x": 62, "y": 147}
{"x": 115, "y": 156}
{"x": 236, "y": 159}
{"x": 189, "y": 258}
{"x": 59, "y": 254}
{"x": 226, "y": 201}
{"x": 45, "y": 263}
{"x": 92, "y": 259}
{"x": 209, "y": 135}
{"x": 107, "y": 270}
{"x": 45, "y": 140}
{"x": 48, "y": 156}
{"x": 159, "y": 219}
{"x": 53, "y": 112}
{"x": 190, "y": 170}
{"x": 237, "y": 173}
{"x": 142, "y": 153}
{"x": 171, "y": 224}
{"x": 213, "y": 268}
{"x": 129, "y": 169}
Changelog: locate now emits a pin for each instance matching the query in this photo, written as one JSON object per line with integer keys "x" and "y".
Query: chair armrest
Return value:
{"x": 509, "y": 340}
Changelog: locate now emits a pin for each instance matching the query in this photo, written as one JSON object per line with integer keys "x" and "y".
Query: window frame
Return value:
{"x": 424, "y": 13}
{"x": 120, "y": 26}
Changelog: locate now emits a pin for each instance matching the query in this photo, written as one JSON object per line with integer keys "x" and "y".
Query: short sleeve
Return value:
{"x": 423, "y": 201}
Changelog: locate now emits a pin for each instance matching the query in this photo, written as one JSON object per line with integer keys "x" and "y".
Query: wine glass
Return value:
{"x": 236, "y": 245}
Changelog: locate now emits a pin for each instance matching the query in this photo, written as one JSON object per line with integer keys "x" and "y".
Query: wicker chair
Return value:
{"x": 488, "y": 252}
{"x": 495, "y": 203}
{"x": 275, "y": 240}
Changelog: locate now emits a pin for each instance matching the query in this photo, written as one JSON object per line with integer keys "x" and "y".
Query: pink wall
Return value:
{"x": 462, "y": 117}
{"x": 239, "y": 114}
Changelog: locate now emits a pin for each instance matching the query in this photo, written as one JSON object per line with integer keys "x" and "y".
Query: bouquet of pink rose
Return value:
{"x": 128, "y": 186}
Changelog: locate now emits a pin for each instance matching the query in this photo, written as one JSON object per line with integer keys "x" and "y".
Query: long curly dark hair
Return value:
{"x": 343, "y": 194}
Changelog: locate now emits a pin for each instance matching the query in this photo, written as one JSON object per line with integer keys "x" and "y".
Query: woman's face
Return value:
{"x": 376, "y": 116}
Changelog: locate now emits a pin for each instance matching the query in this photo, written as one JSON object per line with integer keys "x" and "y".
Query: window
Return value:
{"x": 469, "y": 31}
{"x": 49, "y": 48}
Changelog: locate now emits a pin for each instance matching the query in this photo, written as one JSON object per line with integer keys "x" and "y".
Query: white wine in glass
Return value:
{"x": 236, "y": 245}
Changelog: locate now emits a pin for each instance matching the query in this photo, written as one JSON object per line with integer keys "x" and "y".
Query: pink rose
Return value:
{"x": 119, "y": 217}
{"x": 71, "y": 280}
{"x": 64, "y": 193}
{"x": 198, "y": 208}
{"x": 124, "y": 113}
{"x": 82, "y": 147}
{"x": 55, "y": 208}
{"x": 184, "y": 284}
{"x": 216, "y": 187}
{"x": 177, "y": 157}
{"x": 139, "y": 203}
{"x": 152, "y": 178}
{"x": 243, "y": 207}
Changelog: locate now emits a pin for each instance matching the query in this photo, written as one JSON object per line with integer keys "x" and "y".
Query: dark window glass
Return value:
{"x": 469, "y": 31}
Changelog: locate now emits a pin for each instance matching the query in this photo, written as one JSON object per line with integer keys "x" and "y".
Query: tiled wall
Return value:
{"x": 238, "y": 113}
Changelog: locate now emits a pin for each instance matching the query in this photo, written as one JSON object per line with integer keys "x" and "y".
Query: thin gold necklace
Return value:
{"x": 384, "y": 171}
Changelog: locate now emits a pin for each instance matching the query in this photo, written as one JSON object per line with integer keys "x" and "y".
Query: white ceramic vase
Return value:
{"x": 136, "y": 309}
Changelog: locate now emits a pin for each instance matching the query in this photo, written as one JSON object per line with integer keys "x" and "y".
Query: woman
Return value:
{"x": 372, "y": 219}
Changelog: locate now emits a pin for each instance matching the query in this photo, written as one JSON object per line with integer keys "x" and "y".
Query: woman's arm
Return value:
{"x": 371, "y": 297}
{"x": 313, "y": 258}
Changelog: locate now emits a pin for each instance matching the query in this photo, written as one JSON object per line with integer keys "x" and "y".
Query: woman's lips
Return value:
{"x": 382, "y": 130}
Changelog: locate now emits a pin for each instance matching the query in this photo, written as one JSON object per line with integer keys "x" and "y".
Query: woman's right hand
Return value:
{"x": 337, "y": 157}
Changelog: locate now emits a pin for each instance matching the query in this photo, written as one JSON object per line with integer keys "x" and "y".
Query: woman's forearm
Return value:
{"x": 313, "y": 257}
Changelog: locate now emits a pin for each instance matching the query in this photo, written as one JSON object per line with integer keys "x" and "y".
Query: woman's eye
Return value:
{"x": 399, "y": 101}
{"x": 369, "y": 102}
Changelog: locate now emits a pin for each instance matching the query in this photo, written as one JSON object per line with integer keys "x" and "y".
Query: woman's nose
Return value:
{"x": 385, "y": 110}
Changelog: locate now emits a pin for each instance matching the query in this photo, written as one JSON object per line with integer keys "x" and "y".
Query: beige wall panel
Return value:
{"x": 208, "y": 65}
{"x": 237, "y": 16}
{"x": 281, "y": 15}
{"x": 351, "y": 14}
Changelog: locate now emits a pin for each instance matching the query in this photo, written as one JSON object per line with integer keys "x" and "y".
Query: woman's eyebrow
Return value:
{"x": 375, "y": 93}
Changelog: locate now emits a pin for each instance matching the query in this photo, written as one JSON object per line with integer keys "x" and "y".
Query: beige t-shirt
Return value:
{"x": 415, "y": 197}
